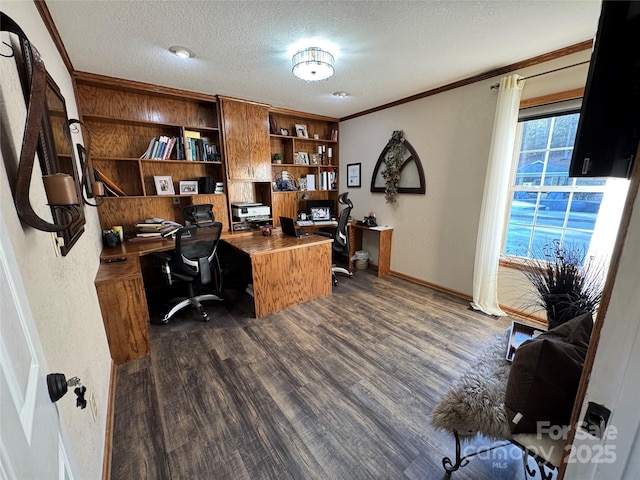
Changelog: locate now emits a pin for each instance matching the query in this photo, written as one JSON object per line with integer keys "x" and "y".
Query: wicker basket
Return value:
{"x": 285, "y": 181}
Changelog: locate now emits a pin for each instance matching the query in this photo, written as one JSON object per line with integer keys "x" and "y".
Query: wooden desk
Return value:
{"x": 286, "y": 271}
{"x": 384, "y": 245}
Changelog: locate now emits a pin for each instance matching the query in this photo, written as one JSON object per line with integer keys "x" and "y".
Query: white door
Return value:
{"x": 31, "y": 445}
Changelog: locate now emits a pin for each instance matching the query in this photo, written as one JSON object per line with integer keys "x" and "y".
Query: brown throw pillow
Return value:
{"x": 545, "y": 374}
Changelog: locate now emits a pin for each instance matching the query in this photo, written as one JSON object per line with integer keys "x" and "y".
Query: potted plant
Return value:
{"x": 277, "y": 158}
{"x": 567, "y": 283}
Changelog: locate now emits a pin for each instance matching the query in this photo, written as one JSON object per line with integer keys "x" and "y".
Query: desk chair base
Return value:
{"x": 193, "y": 302}
{"x": 341, "y": 270}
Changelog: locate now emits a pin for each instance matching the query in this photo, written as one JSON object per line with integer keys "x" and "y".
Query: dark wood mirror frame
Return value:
{"x": 47, "y": 134}
{"x": 60, "y": 159}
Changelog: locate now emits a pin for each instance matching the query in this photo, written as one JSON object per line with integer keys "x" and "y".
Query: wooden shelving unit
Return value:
{"x": 121, "y": 118}
{"x": 289, "y": 203}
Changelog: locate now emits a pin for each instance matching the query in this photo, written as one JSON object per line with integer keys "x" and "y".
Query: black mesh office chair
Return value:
{"x": 195, "y": 262}
{"x": 340, "y": 237}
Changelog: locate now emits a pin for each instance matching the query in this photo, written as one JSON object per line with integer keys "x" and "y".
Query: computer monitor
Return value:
{"x": 320, "y": 213}
{"x": 326, "y": 204}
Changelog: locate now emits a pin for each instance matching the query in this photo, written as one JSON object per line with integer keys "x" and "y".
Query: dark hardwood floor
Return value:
{"x": 337, "y": 388}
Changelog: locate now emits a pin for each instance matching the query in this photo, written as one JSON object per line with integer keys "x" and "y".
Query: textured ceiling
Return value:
{"x": 384, "y": 51}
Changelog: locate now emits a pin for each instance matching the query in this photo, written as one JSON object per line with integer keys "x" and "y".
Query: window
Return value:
{"x": 546, "y": 205}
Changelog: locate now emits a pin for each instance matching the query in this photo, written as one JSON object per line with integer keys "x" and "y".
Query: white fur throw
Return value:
{"x": 476, "y": 401}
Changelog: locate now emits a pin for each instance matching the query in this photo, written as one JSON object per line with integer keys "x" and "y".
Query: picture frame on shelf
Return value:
{"x": 302, "y": 158}
{"x": 301, "y": 130}
{"x": 314, "y": 159}
{"x": 188, "y": 187}
{"x": 284, "y": 132}
{"x": 353, "y": 174}
{"x": 164, "y": 185}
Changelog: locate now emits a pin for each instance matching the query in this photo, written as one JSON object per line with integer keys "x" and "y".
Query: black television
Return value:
{"x": 609, "y": 126}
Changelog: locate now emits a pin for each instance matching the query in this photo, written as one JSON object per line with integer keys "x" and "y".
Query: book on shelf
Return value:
{"x": 110, "y": 185}
{"x": 323, "y": 181}
{"x": 160, "y": 148}
{"x": 190, "y": 137}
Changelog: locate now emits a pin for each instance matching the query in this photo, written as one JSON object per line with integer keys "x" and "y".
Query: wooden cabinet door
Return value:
{"x": 235, "y": 129}
{"x": 246, "y": 139}
{"x": 259, "y": 141}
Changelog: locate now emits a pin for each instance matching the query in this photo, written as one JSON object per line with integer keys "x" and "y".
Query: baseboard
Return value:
{"x": 108, "y": 434}
{"x": 439, "y": 288}
{"x": 511, "y": 311}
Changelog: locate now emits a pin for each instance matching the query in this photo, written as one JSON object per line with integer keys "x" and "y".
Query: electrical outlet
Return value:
{"x": 176, "y": 201}
{"x": 93, "y": 406}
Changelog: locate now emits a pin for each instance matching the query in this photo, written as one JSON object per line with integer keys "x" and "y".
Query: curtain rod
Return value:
{"x": 496, "y": 85}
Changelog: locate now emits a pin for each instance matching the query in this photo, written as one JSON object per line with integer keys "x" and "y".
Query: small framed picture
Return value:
{"x": 284, "y": 131}
{"x": 314, "y": 159}
{"x": 302, "y": 158}
{"x": 353, "y": 174}
{"x": 164, "y": 185}
{"x": 188, "y": 187}
{"x": 301, "y": 130}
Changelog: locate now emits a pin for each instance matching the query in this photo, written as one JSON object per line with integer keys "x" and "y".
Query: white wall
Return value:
{"x": 60, "y": 289}
{"x": 615, "y": 375}
{"x": 434, "y": 236}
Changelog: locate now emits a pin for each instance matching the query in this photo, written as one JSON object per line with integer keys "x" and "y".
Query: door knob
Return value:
{"x": 57, "y": 384}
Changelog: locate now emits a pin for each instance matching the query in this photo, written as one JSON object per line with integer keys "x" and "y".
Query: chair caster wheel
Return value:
{"x": 205, "y": 317}
{"x": 164, "y": 321}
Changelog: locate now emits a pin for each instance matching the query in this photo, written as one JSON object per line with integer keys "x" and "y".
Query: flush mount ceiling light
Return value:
{"x": 340, "y": 94}
{"x": 181, "y": 52}
{"x": 312, "y": 64}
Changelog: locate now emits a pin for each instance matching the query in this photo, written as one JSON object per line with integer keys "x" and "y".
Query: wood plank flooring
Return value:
{"x": 337, "y": 388}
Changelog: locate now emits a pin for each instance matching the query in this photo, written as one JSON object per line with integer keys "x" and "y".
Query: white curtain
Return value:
{"x": 494, "y": 200}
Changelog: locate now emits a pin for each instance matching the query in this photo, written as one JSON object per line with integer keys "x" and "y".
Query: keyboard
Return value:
{"x": 325, "y": 222}
{"x": 304, "y": 223}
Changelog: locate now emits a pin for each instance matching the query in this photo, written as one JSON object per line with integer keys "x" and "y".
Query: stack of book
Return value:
{"x": 188, "y": 146}
{"x": 219, "y": 188}
{"x": 160, "y": 148}
{"x": 156, "y": 229}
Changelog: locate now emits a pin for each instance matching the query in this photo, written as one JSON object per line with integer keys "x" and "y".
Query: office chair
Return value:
{"x": 340, "y": 237}
{"x": 194, "y": 261}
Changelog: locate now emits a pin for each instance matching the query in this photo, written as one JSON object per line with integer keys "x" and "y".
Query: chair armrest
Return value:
{"x": 323, "y": 234}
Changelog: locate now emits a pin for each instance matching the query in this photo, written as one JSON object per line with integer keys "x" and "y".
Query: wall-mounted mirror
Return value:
{"x": 57, "y": 156}
{"x": 46, "y": 136}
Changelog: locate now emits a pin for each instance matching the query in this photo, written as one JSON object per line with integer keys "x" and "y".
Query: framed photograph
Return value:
{"x": 353, "y": 174}
{"x": 314, "y": 159}
{"x": 302, "y": 158}
{"x": 284, "y": 131}
{"x": 164, "y": 185}
{"x": 301, "y": 130}
{"x": 188, "y": 187}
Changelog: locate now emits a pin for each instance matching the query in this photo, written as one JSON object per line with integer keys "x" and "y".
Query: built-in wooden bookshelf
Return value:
{"x": 122, "y": 118}
{"x": 322, "y": 153}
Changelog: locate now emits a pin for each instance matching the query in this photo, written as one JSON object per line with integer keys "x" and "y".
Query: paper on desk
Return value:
{"x": 380, "y": 227}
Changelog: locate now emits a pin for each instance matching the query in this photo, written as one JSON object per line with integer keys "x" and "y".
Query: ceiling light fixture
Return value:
{"x": 313, "y": 64}
{"x": 181, "y": 52}
{"x": 340, "y": 94}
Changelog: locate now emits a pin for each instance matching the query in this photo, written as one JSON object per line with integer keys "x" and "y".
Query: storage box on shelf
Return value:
{"x": 322, "y": 154}
{"x": 123, "y": 118}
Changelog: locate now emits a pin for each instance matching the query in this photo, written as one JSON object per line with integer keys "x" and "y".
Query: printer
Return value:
{"x": 246, "y": 212}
